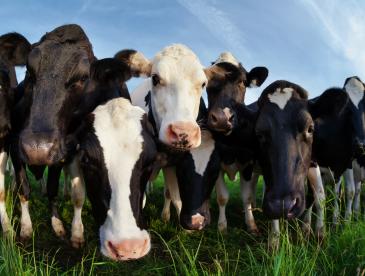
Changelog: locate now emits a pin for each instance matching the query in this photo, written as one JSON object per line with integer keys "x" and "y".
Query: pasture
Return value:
{"x": 175, "y": 251}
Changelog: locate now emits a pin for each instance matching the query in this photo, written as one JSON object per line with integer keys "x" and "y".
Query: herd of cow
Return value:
{"x": 73, "y": 112}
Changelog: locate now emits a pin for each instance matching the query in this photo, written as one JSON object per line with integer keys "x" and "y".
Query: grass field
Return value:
{"x": 174, "y": 251}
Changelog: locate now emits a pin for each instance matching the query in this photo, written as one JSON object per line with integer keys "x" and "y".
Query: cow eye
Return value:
{"x": 204, "y": 84}
{"x": 310, "y": 129}
{"x": 155, "y": 80}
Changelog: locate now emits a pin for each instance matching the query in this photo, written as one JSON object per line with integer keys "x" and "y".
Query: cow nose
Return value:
{"x": 183, "y": 135}
{"x": 128, "y": 249}
{"x": 221, "y": 120}
{"x": 38, "y": 149}
{"x": 288, "y": 207}
{"x": 193, "y": 222}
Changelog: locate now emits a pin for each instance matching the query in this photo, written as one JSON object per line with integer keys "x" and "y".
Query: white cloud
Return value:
{"x": 218, "y": 23}
{"x": 343, "y": 23}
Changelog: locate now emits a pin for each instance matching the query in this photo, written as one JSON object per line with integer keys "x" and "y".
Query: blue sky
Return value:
{"x": 316, "y": 44}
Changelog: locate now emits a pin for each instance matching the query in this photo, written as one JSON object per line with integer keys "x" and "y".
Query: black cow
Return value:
{"x": 14, "y": 49}
{"x": 57, "y": 69}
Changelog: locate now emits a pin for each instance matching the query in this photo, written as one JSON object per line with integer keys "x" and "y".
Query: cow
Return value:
{"x": 117, "y": 152}
{"x": 57, "y": 69}
{"x": 14, "y": 49}
{"x": 173, "y": 94}
{"x": 226, "y": 94}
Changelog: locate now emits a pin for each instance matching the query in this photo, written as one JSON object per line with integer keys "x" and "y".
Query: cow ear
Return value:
{"x": 257, "y": 76}
{"x": 214, "y": 73}
{"x": 15, "y": 48}
{"x": 139, "y": 65}
{"x": 110, "y": 69}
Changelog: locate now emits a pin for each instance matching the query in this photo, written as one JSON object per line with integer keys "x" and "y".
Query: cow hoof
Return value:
{"x": 320, "y": 234}
{"x": 58, "y": 228}
{"x": 77, "y": 242}
{"x": 222, "y": 226}
{"x": 26, "y": 233}
{"x": 165, "y": 217}
{"x": 306, "y": 228}
{"x": 254, "y": 232}
{"x": 9, "y": 233}
{"x": 274, "y": 242}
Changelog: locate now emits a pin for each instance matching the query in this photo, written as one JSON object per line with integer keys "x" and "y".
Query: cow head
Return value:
{"x": 118, "y": 152}
{"x": 14, "y": 49}
{"x": 226, "y": 89}
{"x": 177, "y": 81}
{"x": 57, "y": 70}
{"x": 355, "y": 89}
{"x": 284, "y": 129}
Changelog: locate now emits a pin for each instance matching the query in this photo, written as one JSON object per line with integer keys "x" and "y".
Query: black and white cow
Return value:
{"x": 117, "y": 155}
{"x": 233, "y": 127}
{"x": 14, "y": 49}
{"x": 176, "y": 85}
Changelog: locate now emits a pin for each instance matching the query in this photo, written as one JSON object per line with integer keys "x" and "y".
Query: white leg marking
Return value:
{"x": 78, "y": 198}
{"x": 274, "y": 236}
{"x": 314, "y": 176}
{"x": 5, "y": 222}
{"x": 222, "y": 199}
{"x": 247, "y": 192}
{"x": 350, "y": 192}
{"x": 357, "y": 209}
{"x": 165, "y": 215}
{"x": 26, "y": 228}
{"x": 173, "y": 187}
{"x": 307, "y": 221}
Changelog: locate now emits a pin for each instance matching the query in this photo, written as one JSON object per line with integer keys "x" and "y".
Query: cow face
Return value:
{"x": 14, "y": 49}
{"x": 117, "y": 156}
{"x": 355, "y": 89}
{"x": 57, "y": 69}
{"x": 226, "y": 89}
{"x": 177, "y": 81}
{"x": 197, "y": 172}
{"x": 285, "y": 134}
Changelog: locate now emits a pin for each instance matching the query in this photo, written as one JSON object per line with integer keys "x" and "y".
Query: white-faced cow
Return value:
{"x": 14, "y": 49}
{"x": 117, "y": 155}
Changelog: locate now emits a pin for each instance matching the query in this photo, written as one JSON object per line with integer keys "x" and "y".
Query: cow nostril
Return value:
{"x": 213, "y": 119}
{"x": 231, "y": 118}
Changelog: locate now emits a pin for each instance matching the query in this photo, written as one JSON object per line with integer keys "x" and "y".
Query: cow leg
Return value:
{"x": 66, "y": 186}
{"x": 336, "y": 210}
{"x": 222, "y": 199}
{"x": 23, "y": 189}
{"x": 307, "y": 221}
{"x": 357, "y": 207}
{"x": 248, "y": 187}
{"x": 350, "y": 192}
{"x": 5, "y": 222}
{"x": 274, "y": 236}
{"x": 173, "y": 190}
{"x": 165, "y": 215}
{"x": 78, "y": 198}
{"x": 315, "y": 180}
{"x": 52, "y": 192}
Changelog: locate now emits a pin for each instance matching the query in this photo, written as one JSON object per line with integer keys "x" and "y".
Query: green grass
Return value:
{"x": 175, "y": 251}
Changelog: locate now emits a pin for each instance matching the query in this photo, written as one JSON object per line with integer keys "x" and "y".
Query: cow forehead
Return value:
{"x": 227, "y": 57}
{"x": 355, "y": 89}
{"x": 281, "y": 96}
{"x": 178, "y": 61}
